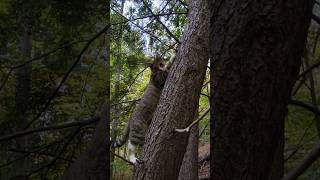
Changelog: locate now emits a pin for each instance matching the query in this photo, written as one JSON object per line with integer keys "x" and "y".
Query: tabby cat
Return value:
{"x": 140, "y": 120}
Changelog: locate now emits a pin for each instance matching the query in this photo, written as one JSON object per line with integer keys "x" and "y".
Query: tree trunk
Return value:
{"x": 117, "y": 108}
{"x": 93, "y": 163}
{"x": 256, "y": 49}
{"x": 189, "y": 167}
{"x": 22, "y": 99}
{"x": 164, "y": 149}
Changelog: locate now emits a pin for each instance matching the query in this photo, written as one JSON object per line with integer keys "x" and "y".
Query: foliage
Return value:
{"x": 63, "y": 28}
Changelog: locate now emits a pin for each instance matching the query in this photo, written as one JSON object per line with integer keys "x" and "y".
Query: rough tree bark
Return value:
{"x": 23, "y": 97}
{"x": 164, "y": 149}
{"x": 190, "y": 165}
{"x": 256, "y": 49}
{"x": 93, "y": 163}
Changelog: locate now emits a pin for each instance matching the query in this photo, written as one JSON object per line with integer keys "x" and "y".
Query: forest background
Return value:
{"x": 55, "y": 62}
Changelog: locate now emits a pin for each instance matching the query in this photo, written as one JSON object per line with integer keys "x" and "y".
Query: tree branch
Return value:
{"x": 164, "y": 26}
{"x": 75, "y": 63}
{"x": 5, "y": 79}
{"x": 307, "y": 106}
{"x": 124, "y": 159}
{"x": 309, "y": 69}
{"x": 40, "y": 153}
{"x": 315, "y": 18}
{"x": 35, "y": 59}
{"x": 187, "y": 129}
{"x": 306, "y": 162}
{"x": 53, "y": 161}
{"x": 203, "y": 129}
{"x": 185, "y": 5}
{"x": 49, "y": 128}
{"x": 141, "y": 28}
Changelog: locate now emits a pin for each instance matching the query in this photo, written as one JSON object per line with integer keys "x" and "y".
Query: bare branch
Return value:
{"x": 185, "y": 5}
{"x": 168, "y": 1}
{"x": 75, "y": 63}
{"x": 159, "y": 20}
{"x": 187, "y": 129}
{"x": 124, "y": 159}
{"x": 35, "y": 150}
{"x": 48, "y": 53}
{"x": 307, "y": 106}
{"x": 315, "y": 18}
{"x": 306, "y": 162}
{"x": 141, "y": 28}
{"x": 203, "y": 129}
{"x": 50, "y": 128}
{"x": 53, "y": 161}
{"x": 40, "y": 153}
{"x": 35, "y": 59}
{"x": 309, "y": 69}
{"x": 133, "y": 81}
{"x": 206, "y": 95}
{"x": 88, "y": 74}
{"x": 6, "y": 79}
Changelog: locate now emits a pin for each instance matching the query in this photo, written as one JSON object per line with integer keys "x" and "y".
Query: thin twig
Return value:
{"x": 49, "y": 128}
{"x": 307, "y": 106}
{"x": 87, "y": 75}
{"x": 315, "y": 18}
{"x": 151, "y": 21}
{"x": 35, "y": 150}
{"x": 164, "y": 26}
{"x": 187, "y": 129}
{"x": 309, "y": 69}
{"x": 185, "y": 5}
{"x": 202, "y": 131}
{"x": 124, "y": 159}
{"x": 125, "y": 102}
{"x": 39, "y": 153}
{"x": 306, "y": 162}
{"x": 133, "y": 81}
{"x": 75, "y": 63}
{"x": 6, "y": 79}
{"x": 141, "y": 28}
{"x": 48, "y": 53}
{"x": 53, "y": 161}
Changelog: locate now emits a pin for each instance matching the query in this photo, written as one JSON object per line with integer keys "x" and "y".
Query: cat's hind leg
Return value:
{"x": 132, "y": 153}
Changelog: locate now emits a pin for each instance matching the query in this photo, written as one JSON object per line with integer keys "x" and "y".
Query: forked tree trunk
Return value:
{"x": 256, "y": 49}
{"x": 164, "y": 149}
{"x": 190, "y": 165}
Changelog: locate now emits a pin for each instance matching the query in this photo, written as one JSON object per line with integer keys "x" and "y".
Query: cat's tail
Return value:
{"x": 121, "y": 141}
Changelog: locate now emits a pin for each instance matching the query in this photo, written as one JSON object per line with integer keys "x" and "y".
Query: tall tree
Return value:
{"x": 23, "y": 91}
{"x": 118, "y": 65}
{"x": 93, "y": 163}
{"x": 164, "y": 148}
{"x": 256, "y": 49}
{"x": 189, "y": 167}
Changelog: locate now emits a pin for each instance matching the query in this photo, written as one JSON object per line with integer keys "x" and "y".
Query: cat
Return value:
{"x": 138, "y": 124}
